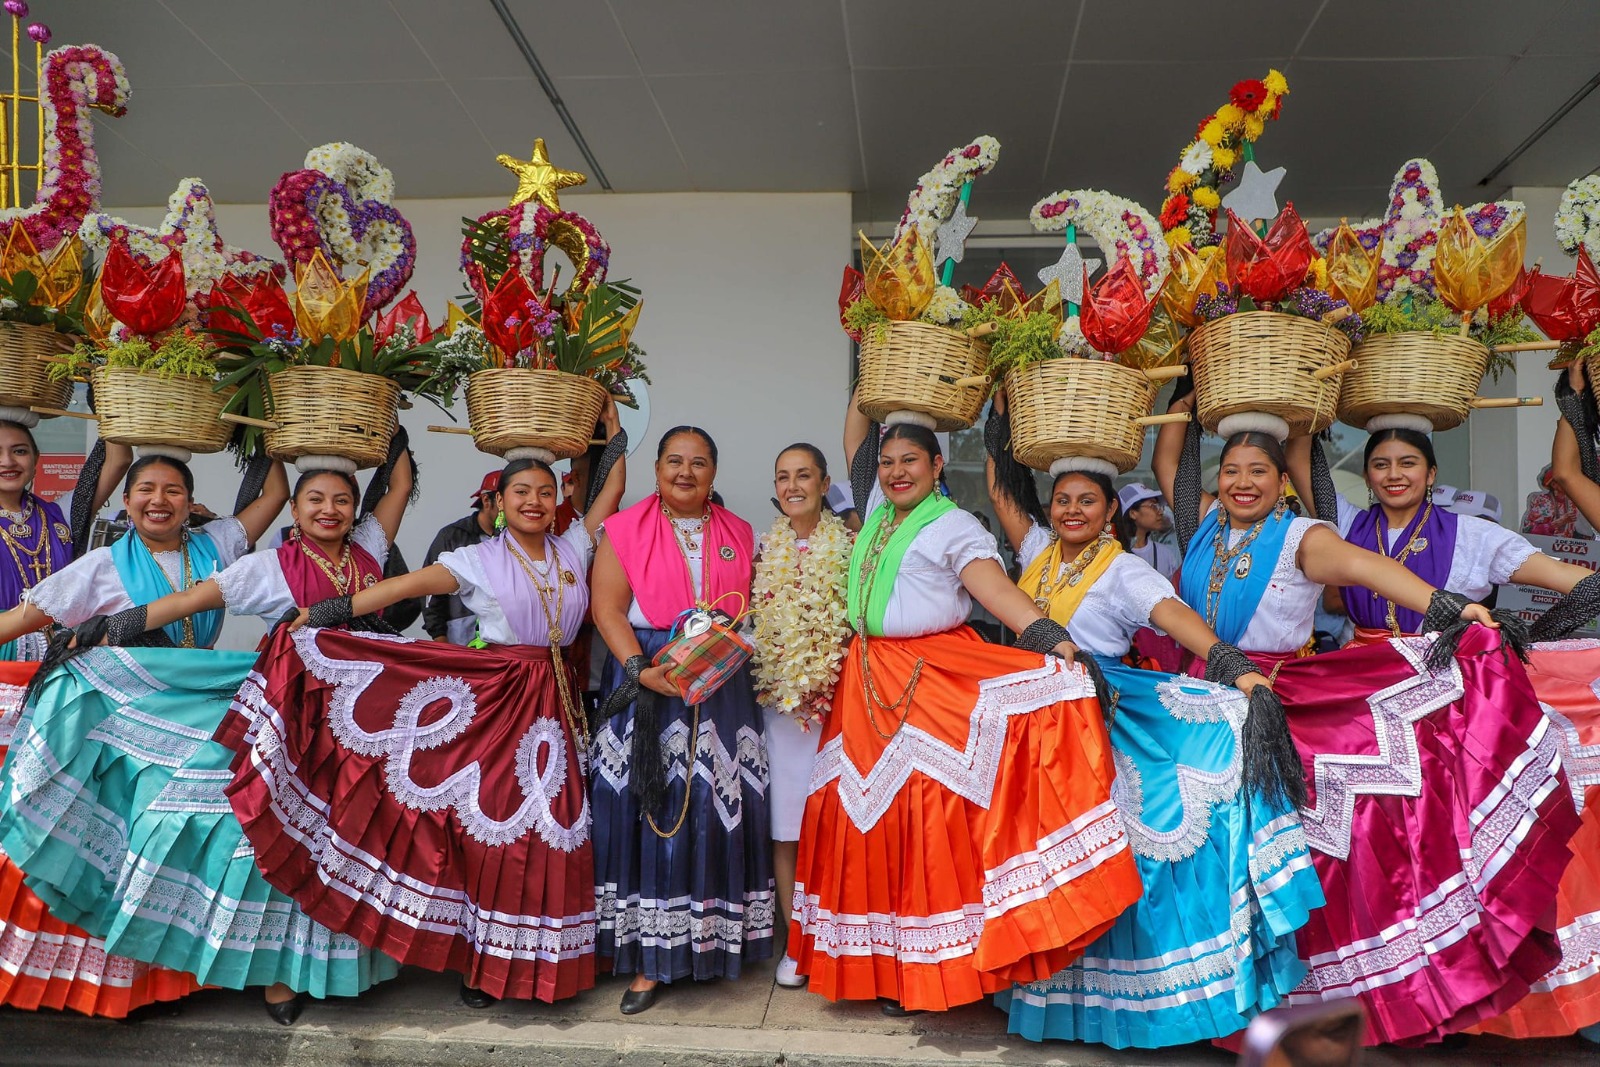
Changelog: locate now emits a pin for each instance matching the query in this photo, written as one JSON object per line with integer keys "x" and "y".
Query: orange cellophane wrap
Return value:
{"x": 1352, "y": 270}
{"x": 1568, "y": 998}
{"x": 1565, "y": 309}
{"x": 1469, "y": 272}
{"x": 1115, "y": 309}
{"x": 44, "y": 962}
{"x": 325, "y": 305}
{"x": 60, "y": 275}
{"x": 1013, "y": 302}
{"x": 1268, "y": 268}
{"x": 1194, "y": 274}
{"x": 1157, "y": 348}
{"x": 1511, "y": 299}
{"x": 97, "y": 318}
{"x": 943, "y": 900}
{"x": 899, "y": 277}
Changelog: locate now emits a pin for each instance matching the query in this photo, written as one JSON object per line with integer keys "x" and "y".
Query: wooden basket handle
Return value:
{"x": 972, "y": 381}
{"x": 450, "y": 429}
{"x": 1165, "y": 374}
{"x": 245, "y": 420}
{"x": 1481, "y": 402}
{"x": 983, "y": 329}
{"x": 1162, "y": 420}
{"x": 88, "y": 415}
{"x": 1338, "y": 368}
{"x": 1529, "y": 346}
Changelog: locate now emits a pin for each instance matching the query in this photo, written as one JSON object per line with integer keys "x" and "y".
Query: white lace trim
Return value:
{"x": 1580, "y": 954}
{"x": 10, "y": 711}
{"x": 1060, "y": 857}
{"x": 69, "y": 957}
{"x": 727, "y": 773}
{"x": 704, "y": 925}
{"x": 1581, "y": 761}
{"x": 1338, "y": 778}
{"x": 460, "y": 793}
{"x": 968, "y": 772}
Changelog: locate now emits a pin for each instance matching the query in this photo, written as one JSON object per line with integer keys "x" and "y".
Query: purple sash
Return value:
{"x": 520, "y": 601}
{"x": 1431, "y": 564}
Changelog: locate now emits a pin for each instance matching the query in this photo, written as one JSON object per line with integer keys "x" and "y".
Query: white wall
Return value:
{"x": 740, "y": 325}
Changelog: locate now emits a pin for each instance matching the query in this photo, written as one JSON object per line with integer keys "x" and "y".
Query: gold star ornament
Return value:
{"x": 538, "y": 178}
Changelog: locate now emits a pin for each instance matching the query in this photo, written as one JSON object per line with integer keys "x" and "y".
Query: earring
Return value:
{"x": 500, "y": 521}
{"x": 1372, "y": 498}
{"x": 1107, "y": 532}
{"x": 294, "y": 531}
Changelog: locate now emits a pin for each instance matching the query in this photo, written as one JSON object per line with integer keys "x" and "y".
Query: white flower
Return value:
{"x": 1578, "y": 217}
{"x": 801, "y": 632}
{"x": 1196, "y": 158}
{"x": 933, "y": 201}
{"x": 1111, "y": 221}
{"x": 945, "y": 307}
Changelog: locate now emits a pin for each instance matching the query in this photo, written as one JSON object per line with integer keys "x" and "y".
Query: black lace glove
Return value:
{"x": 615, "y": 449}
{"x": 1443, "y": 617}
{"x": 1270, "y": 764}
{"x": 334, "y": 611}
{"x": 1580, "y": 605}
{"x": 1042, "y": 636}
{"x": 123, "y": 627}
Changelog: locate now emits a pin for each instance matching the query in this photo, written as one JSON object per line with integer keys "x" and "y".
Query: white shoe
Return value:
{"x": 789, "y": 975}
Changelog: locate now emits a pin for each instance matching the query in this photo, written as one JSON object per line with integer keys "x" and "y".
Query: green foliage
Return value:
{"x": 178, "y": 354}
{"x": 863, "y": 316}
{"x": 1016, "y": 343}
{"x": 1411, "y": 314}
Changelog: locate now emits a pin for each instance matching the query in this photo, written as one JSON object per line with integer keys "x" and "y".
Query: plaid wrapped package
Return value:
{"x": 706, "y": 650}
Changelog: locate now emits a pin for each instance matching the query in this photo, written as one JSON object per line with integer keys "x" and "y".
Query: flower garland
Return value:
{"x": 1207, "y": 163}
{"x": 931, "y": 204}
{"x": 77, "y": 79}
{"x": 1120, "y": 227}
{"x": 1578, "y": 217}
{"x": 339, "y": 203}
{"x": 801, "y": 629}
{"x": 532, "y": 229}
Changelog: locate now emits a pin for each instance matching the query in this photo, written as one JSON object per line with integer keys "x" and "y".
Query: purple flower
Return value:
{"x": 18, "y": 9}
{"x": 1405, "y": 259}
{"x": 39, "y": 32}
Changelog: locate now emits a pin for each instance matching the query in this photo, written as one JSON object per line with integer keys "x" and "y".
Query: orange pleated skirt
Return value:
{"x": 44, "y": 962}
{"x": 973, "y": 844}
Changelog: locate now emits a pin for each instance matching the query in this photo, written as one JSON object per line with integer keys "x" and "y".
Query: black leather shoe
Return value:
{"x": 896, "y": 1010}
{"x": 477, "y": 998}
{"x": 636, "y": 1000}
{"x": 286, "y": 1012}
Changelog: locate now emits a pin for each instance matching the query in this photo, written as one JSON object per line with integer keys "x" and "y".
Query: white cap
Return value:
{"x": 1478, "y": 503}
{"x": 1444, "y": 495}
{"x": 1133, "y": 494}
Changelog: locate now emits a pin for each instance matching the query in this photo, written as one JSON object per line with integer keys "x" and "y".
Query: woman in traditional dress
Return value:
{"x": 801, "y": 566}
{"x": 960, "y": 833}
{"x": 1226, "y": 871}
{"x": 1473, "y": 556}
{"x": 1438, "y": 848}
{"x": 683, "y": 864}
{"x": 117, "y": 753}
{"x": 337, "y": 790}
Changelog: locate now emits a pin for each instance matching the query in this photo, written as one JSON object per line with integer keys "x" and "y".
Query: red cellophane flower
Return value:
{"x": 407, "y": 309}
{"x": 146, "y": 300}
{"x": 1267, "y": 269}
{"x": 1511, "y": 299}
{"x": 1175, "y": 211}
{"x": 262, "y": 297}
{"x": 507, "y": 315}
{"x": 1248, "y": 95}
{"x": 1565, "y": 309}
{"x": 1116, "y": 311}
{"x": 852, "y": 288}
{"x": 1002, "y": 276}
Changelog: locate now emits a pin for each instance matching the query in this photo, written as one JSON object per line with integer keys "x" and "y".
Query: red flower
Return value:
{"x": 506, "y": 315}
{"x": 1566, "y": 309}
{"x": 1175, "y": 211}
{"x": 1002, "y": 276}
{"x": 146, "y": 300}
{"x": 852, "y": 288}
{"x": 1115, "y": 311}
{"x": 1267, "y": 269}
{"x": 407, "y": 309}
{"x": 262, "y": 298}
{"x": 1248, "y": 95}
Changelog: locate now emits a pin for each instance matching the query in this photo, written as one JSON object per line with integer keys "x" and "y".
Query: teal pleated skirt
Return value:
{"x": 117, "y": 814}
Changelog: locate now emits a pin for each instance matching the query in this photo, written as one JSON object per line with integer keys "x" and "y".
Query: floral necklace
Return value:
{"x": 801, "y": 618}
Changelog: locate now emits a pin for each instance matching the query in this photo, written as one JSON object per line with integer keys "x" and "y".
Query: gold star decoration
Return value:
{"x": 538, "y": 178}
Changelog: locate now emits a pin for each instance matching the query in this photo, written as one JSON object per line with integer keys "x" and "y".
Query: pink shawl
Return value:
{"x": 659, "y": 575}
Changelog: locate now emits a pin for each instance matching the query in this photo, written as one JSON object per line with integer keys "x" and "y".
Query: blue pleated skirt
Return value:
{"x": 698, "y": 903}
{"x": 1227, "y": 880}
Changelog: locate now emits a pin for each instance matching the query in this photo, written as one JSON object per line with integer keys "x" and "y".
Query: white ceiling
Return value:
{"x": 860, "y": 95}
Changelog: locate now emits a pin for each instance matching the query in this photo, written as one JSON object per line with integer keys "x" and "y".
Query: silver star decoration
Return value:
{"x": 951, "y": 240}
{"x": 1069, "y": 272}
{"x": 1256, "y": 197}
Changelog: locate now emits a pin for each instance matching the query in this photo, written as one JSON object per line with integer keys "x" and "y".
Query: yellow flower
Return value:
{"x": 1179, "y": 235}
{"x": 1254, "y": 125}
{"x": 1180, "y": 181}
{"x": 1318, "y": 275}
{"x": 1230, "y": 116}
{"x": 1276, "y": 84}
{"x": 1211, "y": 133}
{"x": 1206, "y": 197}
{"x": 1223, "y": 158}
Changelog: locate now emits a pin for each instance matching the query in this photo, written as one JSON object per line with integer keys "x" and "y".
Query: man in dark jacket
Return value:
{"x": 446, "y": 618}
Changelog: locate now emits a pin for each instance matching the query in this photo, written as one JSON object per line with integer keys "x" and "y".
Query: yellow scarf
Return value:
{"x": 1064, "y": 597}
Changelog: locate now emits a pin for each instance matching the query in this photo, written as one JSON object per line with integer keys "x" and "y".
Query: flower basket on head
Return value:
{"x": 546, "y": 414}
{"x": 330, "y": 418}
{"x": 1264, "y": 363}
{"x": 912, "y": 369}
{"x": 1417, "y": 381}
{"x": 146, "y": 408}
{"x": 26, "y": 353}
{"x": 1083, "y": 408}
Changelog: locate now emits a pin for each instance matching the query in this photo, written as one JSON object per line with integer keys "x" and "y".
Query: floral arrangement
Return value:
{"x": 340, "y": 204}
{"x": 40, "y": 290}
{"x": 523, "y": 233}
{"x": 179, "y": 353}
{"x": 933, "y": 199}
{"x": 801, "y": 629}
{"x": 76, "y": 80}
{"x": 1578, "y": 216}
{"x": 1194, "y": 186}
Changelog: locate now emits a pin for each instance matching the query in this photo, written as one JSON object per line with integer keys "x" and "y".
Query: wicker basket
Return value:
{"x": 932, "y": 370}
{"x": 24, "y": 373}
{"x": 1078, "y": 407}
{"x": 1421, "y": 374}
{"x": 1266, "y": 362}
{"x": 511, "y": 408}
{"x": 140, "y": 408}
{"x": 327, "y": 411}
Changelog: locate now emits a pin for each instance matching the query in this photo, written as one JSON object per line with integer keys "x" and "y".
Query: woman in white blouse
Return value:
{"x": 960, "y": 832}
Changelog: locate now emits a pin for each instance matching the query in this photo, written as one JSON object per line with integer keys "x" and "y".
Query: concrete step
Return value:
{"x": 418, "y": 1020}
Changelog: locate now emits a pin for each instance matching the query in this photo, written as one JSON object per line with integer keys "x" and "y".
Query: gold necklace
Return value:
{"x": 342, "y": 576}
{"x": 1225, "y": 555}
{"x": 19, "y": 528}
{"x": 557, "y": 590}
{"x": 869, "y": 690}
{"x": 187, "y": 579}
{"x": 1415, "y": 543}
{"x": 1072, "y": 573}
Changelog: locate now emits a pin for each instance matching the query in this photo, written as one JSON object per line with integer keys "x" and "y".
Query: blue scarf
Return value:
{"x": 145, "y": 581}
{"x": 1240, "y": 597}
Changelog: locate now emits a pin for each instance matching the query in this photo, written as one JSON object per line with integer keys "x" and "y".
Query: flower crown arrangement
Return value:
{"x": 1421, "y": 268}
{"x": 515, "y": 316}
{"x": 1567, "y": 310}
{"x": 802, "y": 627}
{"x": 1221, "y": 141}
{"x": 897, "y": 282}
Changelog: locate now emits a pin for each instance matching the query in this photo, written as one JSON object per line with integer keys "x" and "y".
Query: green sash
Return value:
{"x": 932, "y": 507}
